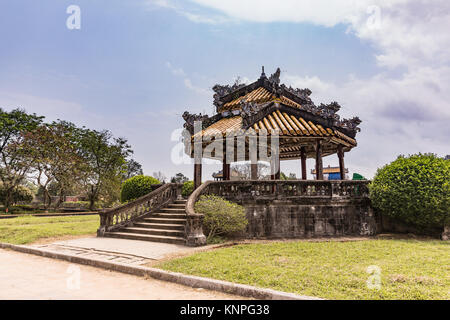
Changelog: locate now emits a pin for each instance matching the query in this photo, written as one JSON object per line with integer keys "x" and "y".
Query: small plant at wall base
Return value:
{"x": 136, "y": 187}
{"x": 222, "y": 217}
{"x": 414, "y": 189}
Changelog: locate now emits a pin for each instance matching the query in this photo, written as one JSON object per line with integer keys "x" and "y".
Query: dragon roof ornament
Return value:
{"x": 272, "y": 83}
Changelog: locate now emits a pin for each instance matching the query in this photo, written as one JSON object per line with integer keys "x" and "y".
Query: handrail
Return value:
{"x": 126, "y": 214}
{"x": 194, "y": 221}
{"x": 194, "y": 197}
{"x": 285, "y": 189}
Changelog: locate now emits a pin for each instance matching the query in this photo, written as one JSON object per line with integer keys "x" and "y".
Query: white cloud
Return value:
{"x": 175, "y": 71}
{"x": 179, "y": 72}
{"x": 180, "y": 8}
{"x": 404, "y": 107}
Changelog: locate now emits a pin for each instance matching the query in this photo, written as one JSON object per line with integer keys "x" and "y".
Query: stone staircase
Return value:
{"x": 167, "y": 225}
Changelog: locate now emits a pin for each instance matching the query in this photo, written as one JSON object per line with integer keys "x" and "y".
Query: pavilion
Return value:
{"x": 302, "y": 129}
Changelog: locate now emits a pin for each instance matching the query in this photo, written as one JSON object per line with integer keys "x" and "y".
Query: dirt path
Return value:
{"x": 26, "y": 276}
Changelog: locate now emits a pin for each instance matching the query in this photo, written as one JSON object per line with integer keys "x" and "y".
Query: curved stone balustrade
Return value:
{"x": 124, "y": 215}
{"x": 281, "y": 189}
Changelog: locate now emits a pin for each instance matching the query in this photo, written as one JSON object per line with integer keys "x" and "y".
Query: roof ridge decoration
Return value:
{"x": 227, "y": 93}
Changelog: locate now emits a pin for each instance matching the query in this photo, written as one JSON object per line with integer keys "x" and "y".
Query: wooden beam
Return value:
{"x": 319, "y": 163}
{"x": 303, "y": 162}
{"x": 341, "y": 161}
{"x": 277, "y": 174}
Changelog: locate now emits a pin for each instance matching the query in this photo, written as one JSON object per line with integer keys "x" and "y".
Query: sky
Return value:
{"x": 133, "y": 67}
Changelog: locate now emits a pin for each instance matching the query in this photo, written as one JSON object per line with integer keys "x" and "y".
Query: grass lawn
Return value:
{"x": 410, "y": 269}
{"x": 27, "y": 229}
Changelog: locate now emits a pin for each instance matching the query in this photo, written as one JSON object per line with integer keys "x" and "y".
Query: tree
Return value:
{"x": 244, "y": 170}
{"x": 137, "y": 187}
{"x": 20, "y": 193}
{"x": 179, "y": 178}
{"x": 292, "y": 176}
{"x": 55, "y": 149}
{"x": 105, "y": 162}
{"x": 15, "y": 158}
{"x": 134, "y": 168}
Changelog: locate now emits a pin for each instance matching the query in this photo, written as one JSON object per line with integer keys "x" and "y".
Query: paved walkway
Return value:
{"x": 132, "y": 252}
{"x": 26, "y": 276}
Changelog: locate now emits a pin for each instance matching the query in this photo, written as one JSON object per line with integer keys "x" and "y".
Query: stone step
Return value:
{"x": 172, "y": 210}
{"x": 157, "y": 232}
{"x": 145, "y": 237}
{"x": 166, "y": 226}
{"x": 165, "y": 220}
{"x": 180, "y": 201}
{"x": 169, "y": 215}
{"x": 177, "y": 206}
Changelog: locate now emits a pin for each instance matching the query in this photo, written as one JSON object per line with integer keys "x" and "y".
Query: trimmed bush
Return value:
{"x": 75, "y": 204}
{"x": 414, "y": 189}
{"x": 20, "y": 194}
{"x": 222, "y": 217}
{"x": 188, "y": 188}
{"x": 136, "y": 187}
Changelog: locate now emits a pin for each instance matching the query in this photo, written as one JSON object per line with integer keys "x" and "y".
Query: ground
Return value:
{"x": 409, "y": 269}
{"x": 331, "y": 268}
{"x": 26, "y": 276}
{"x": 28, "y": 229}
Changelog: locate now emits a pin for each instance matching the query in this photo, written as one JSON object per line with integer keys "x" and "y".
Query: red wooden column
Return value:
{"x": 341, "y": 161}
{"x": 254, "y": 171}
{"x": 303, "y": 162}
{"x": 277, "y": 175}
{"x": 319, "y": 163}
{"x": 226, "y": 170}
{"x": 197, "y": 175}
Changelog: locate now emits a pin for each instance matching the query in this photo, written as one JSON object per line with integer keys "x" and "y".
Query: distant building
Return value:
{"x": 234, "y": 175}
{"x": 330, "y": 173}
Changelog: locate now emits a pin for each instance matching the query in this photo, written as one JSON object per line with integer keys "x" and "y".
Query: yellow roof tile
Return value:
{"x": 276, "y": 122}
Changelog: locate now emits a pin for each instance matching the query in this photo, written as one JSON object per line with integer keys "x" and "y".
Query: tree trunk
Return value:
{"x": 46, "y": 197}
{"x": 92, "y": 199}
{"x": 8, "y": 199}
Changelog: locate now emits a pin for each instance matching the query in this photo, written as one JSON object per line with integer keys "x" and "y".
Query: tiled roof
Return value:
{"x": 259, "y": 95}
{"x": 223, "y": 126}
{"x": 276, "y": 122}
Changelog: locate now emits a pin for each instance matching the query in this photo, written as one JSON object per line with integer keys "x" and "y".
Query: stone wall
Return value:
{"x": 288, "y": 219}
{"x": 299, "y": 208}
{"x": 306, "y": 218}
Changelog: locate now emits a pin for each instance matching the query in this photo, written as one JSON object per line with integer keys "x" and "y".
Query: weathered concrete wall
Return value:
{"x": 306, "y": 218}
{"x": 299, "y": 208}
{"x": 390, "y": 225}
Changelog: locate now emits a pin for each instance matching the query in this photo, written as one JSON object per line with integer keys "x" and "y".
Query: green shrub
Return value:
{"x": 75, "y": 204}
{"x": 414, "y": 189}
{"x": 19, "y": 194}
{"x": 188, "y": 188}
{"x": 136, "y": 187}
{"x": 24, "y": 207}
{"x": 222, "y": 217}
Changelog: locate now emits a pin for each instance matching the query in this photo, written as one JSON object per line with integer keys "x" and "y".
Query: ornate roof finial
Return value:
{"x": 263, "y": 75}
